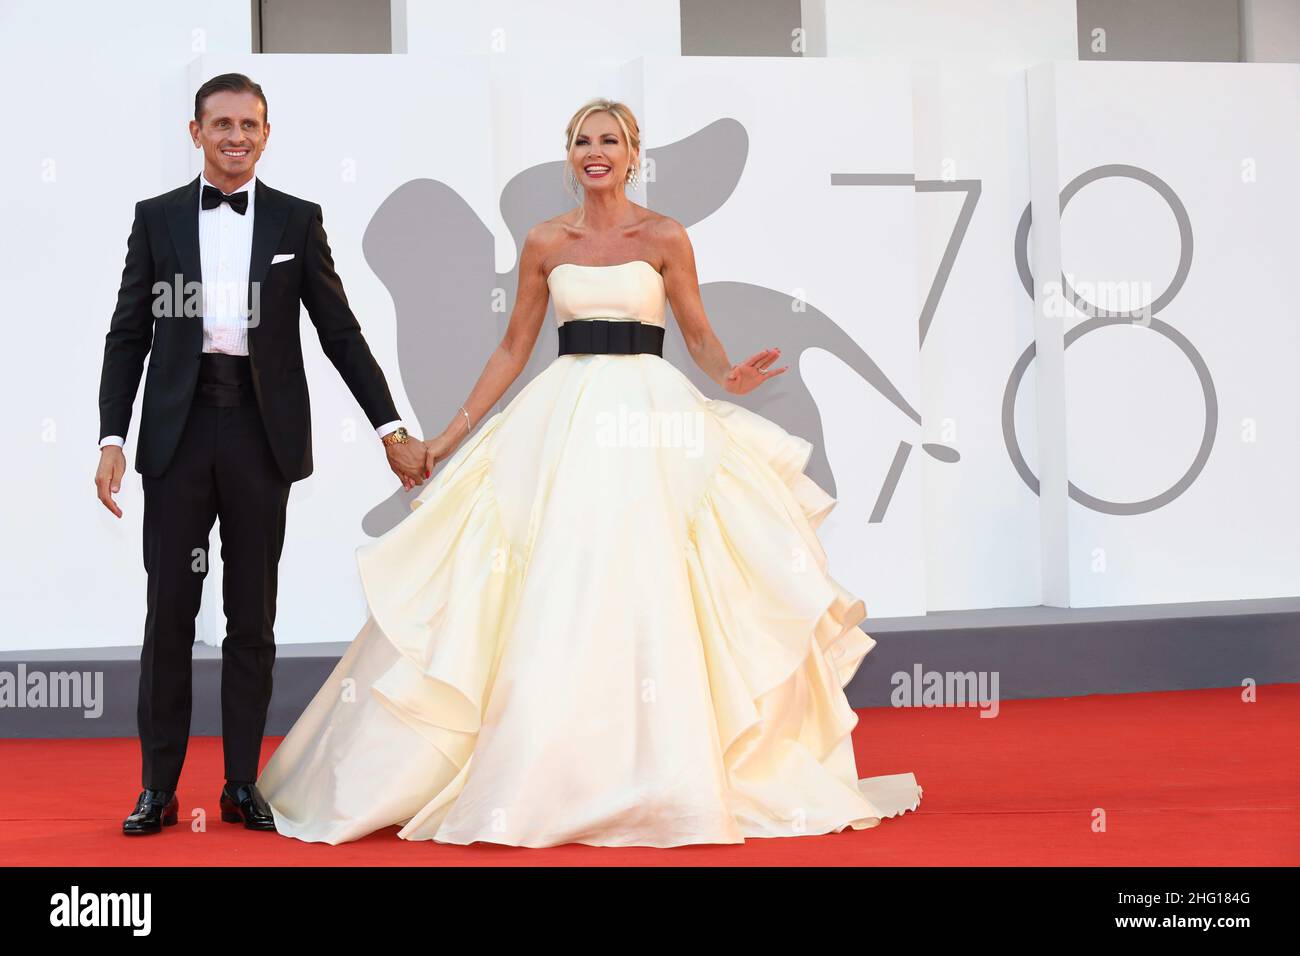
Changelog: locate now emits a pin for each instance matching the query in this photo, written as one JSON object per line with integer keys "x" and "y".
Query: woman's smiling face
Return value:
{"x": 600, "y": 155}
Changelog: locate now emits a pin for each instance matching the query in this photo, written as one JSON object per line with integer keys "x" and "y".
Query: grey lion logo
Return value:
{"x": 436, "y": 257}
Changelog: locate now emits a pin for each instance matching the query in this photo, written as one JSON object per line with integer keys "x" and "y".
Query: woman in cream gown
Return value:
{"x": 608, "y": 619}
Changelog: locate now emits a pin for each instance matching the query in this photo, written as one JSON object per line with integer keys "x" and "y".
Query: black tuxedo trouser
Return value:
{"x": 223, "y": 469}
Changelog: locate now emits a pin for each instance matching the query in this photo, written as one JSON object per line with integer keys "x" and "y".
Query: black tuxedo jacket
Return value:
{"x": 164, "y": 245}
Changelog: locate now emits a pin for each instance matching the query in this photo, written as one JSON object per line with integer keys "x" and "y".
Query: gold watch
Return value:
{"x": 397, "y": 436}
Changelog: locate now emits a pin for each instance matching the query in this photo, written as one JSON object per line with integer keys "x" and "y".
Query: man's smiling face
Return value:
{"x": 232, "y": 134}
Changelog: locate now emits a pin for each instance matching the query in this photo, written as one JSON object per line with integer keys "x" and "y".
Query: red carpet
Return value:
{"x": 1190, "y": 778}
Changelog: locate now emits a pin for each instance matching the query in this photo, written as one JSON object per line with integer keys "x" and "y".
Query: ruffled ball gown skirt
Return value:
{"x": 608, "y": 620}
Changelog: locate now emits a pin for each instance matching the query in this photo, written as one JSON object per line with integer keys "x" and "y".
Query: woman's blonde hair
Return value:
{"x": 626, "y": 121}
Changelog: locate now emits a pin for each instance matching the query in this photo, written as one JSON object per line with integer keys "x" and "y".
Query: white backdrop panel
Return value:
{"x": 981, "y": 33}
{"x": 1221, "y": 140}
{"x": 967, "y": 62}
{"x": 101, "y": 95}
{"x": 104, "y": 125}
{"x": 555, "y": 33}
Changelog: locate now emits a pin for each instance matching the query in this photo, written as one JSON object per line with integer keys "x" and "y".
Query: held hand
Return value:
{"x": 108, "y": 478}
{"x": 439, "y": 449}
{"x": 407, "y": 461}
{"x": 752, "y": 372}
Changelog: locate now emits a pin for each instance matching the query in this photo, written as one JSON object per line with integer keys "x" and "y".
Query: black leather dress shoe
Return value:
{"x": 245, "y": 804}
{"x": 154, "y": 810}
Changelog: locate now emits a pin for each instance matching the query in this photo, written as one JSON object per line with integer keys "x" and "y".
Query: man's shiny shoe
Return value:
{"x": 245, "y": 804}
{"x": 154, "y": 810}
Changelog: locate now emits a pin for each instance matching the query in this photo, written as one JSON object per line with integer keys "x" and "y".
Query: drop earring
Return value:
{"x": 572, "y": 184}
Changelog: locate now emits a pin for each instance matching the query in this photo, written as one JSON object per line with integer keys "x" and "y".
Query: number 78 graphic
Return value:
{"x": 1097, "y": 318}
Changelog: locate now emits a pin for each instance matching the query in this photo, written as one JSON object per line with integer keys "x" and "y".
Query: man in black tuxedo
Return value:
{"x": 214, "y": 275}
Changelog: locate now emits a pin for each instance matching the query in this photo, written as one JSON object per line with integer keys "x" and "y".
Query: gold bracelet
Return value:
{"x": 468, "y": 427}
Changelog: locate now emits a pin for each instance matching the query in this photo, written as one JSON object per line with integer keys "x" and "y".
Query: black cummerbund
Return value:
{"x": 224, "y": 380}
{"x": 610, "y": 337}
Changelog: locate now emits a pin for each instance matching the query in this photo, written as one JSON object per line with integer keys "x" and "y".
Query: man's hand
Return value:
{"x": 108, "y": 479}
{"x": 407, "y": 461}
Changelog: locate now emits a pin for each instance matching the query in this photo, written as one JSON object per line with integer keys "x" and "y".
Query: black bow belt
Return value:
{"x": 607, "y": 336}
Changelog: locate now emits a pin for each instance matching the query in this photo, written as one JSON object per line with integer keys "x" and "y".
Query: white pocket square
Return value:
{"x": 282, "y": 257}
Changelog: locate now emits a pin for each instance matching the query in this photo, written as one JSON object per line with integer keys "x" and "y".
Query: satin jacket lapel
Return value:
{"x": 183, "y": 223}
{"x": 269, "y": 218}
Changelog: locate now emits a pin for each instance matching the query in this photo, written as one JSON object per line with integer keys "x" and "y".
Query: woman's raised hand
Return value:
{"x": 753, "y": 372}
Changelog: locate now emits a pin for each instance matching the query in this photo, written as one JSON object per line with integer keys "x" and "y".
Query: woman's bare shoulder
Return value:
{"x": 668, "y": 237}
{"x": 545, "y": 238}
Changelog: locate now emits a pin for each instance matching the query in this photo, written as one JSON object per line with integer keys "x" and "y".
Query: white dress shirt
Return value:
{"x": 225, "y": 251}
{"x": 225, "y": 254}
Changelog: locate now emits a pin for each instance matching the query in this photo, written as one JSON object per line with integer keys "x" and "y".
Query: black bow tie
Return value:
{"x": 214, "y": 197}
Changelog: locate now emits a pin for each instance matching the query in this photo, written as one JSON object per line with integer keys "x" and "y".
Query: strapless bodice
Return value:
{"x": 626, "y": 291}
